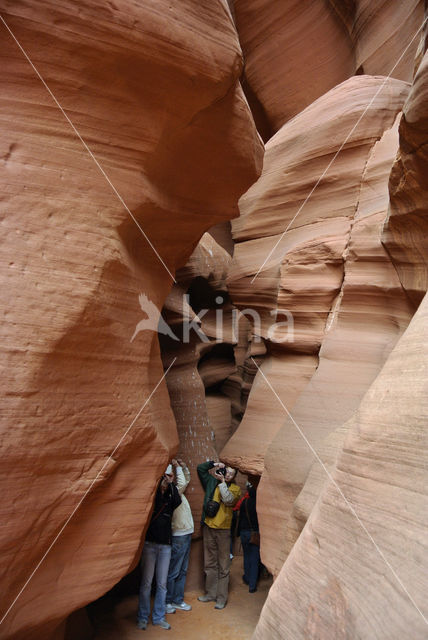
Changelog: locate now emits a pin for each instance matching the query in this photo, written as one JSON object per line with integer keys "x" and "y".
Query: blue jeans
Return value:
{"x": 251, "y": 559}
{"x": 155, "y": 557}
{"x": 180, "y": 552}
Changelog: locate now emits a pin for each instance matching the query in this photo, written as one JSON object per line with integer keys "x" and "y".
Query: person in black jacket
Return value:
{"x": 157, "y": 553}
{"x": 249, "y": 524}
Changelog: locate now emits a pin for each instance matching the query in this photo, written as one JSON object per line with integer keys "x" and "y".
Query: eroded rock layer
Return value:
{"x": 282, "y": 73}
{"x": 296, "y": 51}
{"x": 153, "y": 89}
{"x": 386, "y": 36}
{"x": 366, "y": 319}
{"x": 359, "y": 568}
{"x": 406, "y": 230}
{"x": 202, "y": 423}
{"x": 319, "y": 273}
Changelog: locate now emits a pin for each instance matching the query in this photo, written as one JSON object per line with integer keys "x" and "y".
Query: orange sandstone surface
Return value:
{"x": 359, "y": 568}
{"x": 325, "y": 397}
{"x": 318, "y": 269}
{"x": 296, "y": 51}
{"x": 341, "y": 498}
{"x": 153, "y": 88}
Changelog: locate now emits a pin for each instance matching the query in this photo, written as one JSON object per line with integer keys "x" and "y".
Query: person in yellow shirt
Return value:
{"x": 217, "y": 481}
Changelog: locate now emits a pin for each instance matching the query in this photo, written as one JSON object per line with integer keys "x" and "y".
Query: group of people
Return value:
{"x": 166, "y": 548}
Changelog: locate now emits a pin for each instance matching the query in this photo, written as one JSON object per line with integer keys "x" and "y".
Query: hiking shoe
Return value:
{"x": 142, "y": 624}
{"x": 252, "y": 590}
{"x": 183, "y": 606}
{"x": 170, "y": 608}
{"x": 220, "y": 605}
{"x": 206, "y": 598}
{"x": 163, "y": 624}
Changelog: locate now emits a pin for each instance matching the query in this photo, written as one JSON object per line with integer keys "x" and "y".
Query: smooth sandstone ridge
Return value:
{"x": 153, "y": 89}
{"x": 296, "y": 51}
{"x": 353, "y": 538}
{"x": 359, "y": 568}
{"x": 317, "y": 271}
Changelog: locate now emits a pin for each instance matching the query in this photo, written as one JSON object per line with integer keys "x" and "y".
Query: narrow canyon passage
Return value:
{"x": 116, "y": 621}
{"x": 214, "y": 247}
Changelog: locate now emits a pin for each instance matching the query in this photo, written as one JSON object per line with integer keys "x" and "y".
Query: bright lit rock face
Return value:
{"x": 331, "y": 272}
{"x": 342, "y": 495}
{"x": 153, "y": 89}
{"x": 341, "y": 577}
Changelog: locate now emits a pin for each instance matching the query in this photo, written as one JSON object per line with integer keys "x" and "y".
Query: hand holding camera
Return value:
{"x": 220, "y": 470}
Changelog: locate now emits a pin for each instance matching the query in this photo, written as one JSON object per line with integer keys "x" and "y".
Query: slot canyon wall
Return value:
{"x": 173, "y": 100}
{"x": 342, "y": 459}
{"x": 153, "y": 88}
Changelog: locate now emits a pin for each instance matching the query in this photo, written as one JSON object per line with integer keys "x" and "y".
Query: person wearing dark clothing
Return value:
{"x": 249, "y": 524}
{"x": 157, "y": 553}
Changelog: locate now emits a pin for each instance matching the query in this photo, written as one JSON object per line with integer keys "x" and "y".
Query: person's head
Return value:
{"x": 167, "y": 477}
{"x": 230, "y": 474}
{"x": 253, "y": 481}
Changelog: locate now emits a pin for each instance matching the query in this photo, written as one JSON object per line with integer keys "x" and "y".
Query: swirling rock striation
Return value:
{"x": 359, "y": 568}
{"x": 153, "y": 89}
{"x": 318, "y": 272}
{"x": 297, "y": 51}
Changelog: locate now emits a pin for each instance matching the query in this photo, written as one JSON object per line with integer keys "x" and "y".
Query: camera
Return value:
{"x": 221, "y": 470}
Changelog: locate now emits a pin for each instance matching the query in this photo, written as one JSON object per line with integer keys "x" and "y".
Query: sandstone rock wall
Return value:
{"x": 405, "y": 233}
{"x": 280, "y": 42}
{"x": 296, "y": 51}
{"x": 330, "y": 271}
{"x": 362, "y": 551}
{"x": 366, "y": 320}
{"x": 153, "y": 89}
{"x": 364, "y": 578}
{"x": 355, "y": 565}
{"x": 383, "y": 33}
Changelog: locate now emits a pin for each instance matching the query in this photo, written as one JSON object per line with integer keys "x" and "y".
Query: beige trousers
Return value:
{"x": 217, "y": 562}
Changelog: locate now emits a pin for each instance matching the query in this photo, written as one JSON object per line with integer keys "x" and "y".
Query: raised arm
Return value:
{"x": 182, "y": 475}
{"x": 203, "y": 470}
{"x": 229, "y": 495}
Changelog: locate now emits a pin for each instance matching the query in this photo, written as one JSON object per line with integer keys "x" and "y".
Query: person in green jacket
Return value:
{"x": 217, "y": 481}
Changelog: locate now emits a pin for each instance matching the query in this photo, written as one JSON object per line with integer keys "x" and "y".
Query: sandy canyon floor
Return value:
{"x": 236, "y": 622}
